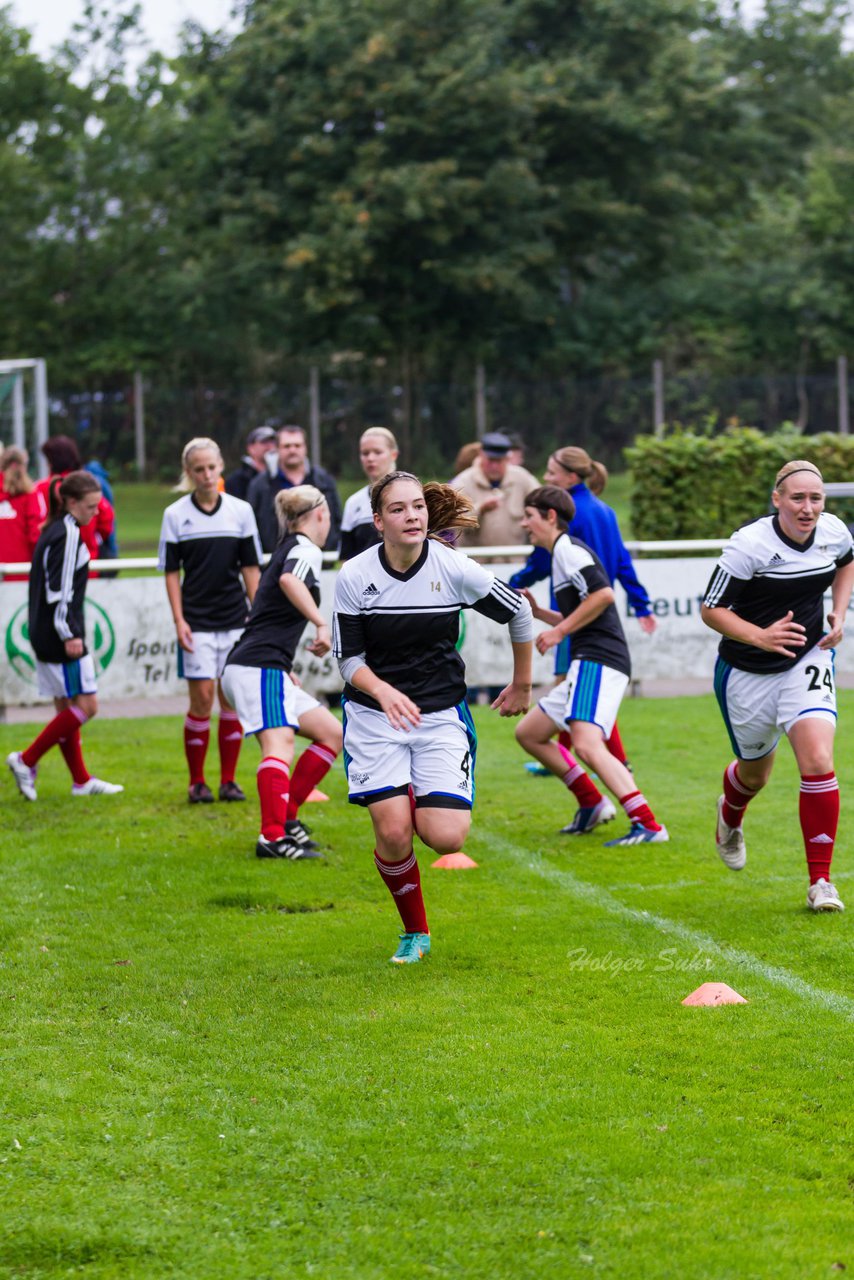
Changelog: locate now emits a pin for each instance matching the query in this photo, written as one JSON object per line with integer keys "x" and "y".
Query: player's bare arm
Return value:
{"x": 590, "y": 609}
{"x": 785, "y": 636}
{"x": 515, "y": 698}
{"x": 401, "y": 712}
{"x": 840, "y": 596}
{"x": 301, "y": 598}
{"x": 182, "y": 628}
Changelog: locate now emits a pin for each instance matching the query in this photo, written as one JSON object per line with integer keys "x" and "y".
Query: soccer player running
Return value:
{"x": 588, "y": 698}
{"x": 775, "y": 667}
{"x": 257, "y": 679}
{"x": 407, "y": 729}
{"x": 64, "y": 667}
{"x": 378, "y": 456}
{"x": 213, "y": 538}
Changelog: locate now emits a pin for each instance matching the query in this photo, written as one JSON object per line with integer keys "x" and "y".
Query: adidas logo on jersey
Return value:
{"x": 822, "y": 839}
{"x": 370, "y": 591}
{"x": 776, "y": 559}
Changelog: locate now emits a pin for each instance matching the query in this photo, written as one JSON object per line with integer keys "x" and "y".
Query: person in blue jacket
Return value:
{"x": 595, "y": 523}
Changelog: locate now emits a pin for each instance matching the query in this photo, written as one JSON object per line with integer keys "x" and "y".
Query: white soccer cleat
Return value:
{"x": 24, "y": 776}
{"x": 96, "y": 787}
{"x": 586, "y": 820}
{"x": 730, "y": 842}
{"x": 822, "y": 896}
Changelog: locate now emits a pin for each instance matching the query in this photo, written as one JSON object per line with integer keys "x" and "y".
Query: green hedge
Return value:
{"x": 697, "y": 486}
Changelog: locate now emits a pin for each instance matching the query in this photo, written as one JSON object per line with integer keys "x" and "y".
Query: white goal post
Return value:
{"x": 34, "y": 371}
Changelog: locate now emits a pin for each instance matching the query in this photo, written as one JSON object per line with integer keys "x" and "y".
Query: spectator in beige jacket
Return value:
{"x": 497, "y": 489}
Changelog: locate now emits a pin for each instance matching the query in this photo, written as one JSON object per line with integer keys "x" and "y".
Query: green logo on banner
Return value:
{"x": 101, "y": 641}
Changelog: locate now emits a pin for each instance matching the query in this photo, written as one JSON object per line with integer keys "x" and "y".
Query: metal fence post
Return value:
{"x": 480, "y": 400}
{"x": 139, "y": 423}
{"x": 842, "y": 393}
{"x": 658, "y": 398}
{"x": 314, "y": 413}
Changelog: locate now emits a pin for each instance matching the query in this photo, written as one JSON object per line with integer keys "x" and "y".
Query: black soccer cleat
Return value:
{"x": 200, "y": 793}
{"x": 231, "y": 791}
{"x": 284, "y": 848}
{"x": 300, "y": 834}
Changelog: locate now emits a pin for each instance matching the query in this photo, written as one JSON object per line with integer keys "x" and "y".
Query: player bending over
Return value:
{"x": 589, "y": 697}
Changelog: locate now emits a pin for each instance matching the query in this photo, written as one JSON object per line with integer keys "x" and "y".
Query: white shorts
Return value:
{"x": 265, "y": 698}
{"x": 436, "y": 759}
{"x": 757, "y": 709}
{"x": 66, "y": 679}
{"x": 590, "y": 692}
{"x": 210, "y": 650}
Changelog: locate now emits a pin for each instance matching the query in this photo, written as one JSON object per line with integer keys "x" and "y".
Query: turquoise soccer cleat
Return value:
{"x": 413, "y": 947}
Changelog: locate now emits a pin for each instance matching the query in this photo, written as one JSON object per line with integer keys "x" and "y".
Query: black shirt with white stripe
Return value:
{"x": 405, "y": 626}
{"x": 358, "y": 531}
{"x": 275, "y": 626}
{"x": 211, "y": 547}
{"x": 762, "y": 574}
{"x": 576, "y": 573}
{"x": 58, "y": 579}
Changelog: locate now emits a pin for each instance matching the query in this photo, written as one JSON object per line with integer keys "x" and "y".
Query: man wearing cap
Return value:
{"x": 497, "y": 489}
{"x": 259, "y": 443}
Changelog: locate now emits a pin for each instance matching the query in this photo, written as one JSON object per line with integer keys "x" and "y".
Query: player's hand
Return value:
{"x": 784, "y": 636}
{"x": 400, "y": 711}
{"x": 514, "y": 700}
{"x": 648, "y": 624}
{"x": 74, "y": 647}
{"x": 184, "y": 632}
{"x": 548, "y": 639}
{"x": 536, "y": 608}
{"x": 834, "y": 635}
{"x": 322, "y": 643}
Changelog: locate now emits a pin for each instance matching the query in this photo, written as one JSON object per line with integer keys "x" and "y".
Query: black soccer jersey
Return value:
{"x": 405, "y": 626}
{"x": 358, "y": 531}
{"x": 275, "y": 627}
{"x": 762, "y": 574}
{"x": 211, "y": 547}
{"x": 57, "y": 588}
{"x": 576, "y": 573}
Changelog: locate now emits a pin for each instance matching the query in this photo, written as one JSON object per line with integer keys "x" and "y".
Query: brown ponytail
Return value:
{"x": 447, "y": 508}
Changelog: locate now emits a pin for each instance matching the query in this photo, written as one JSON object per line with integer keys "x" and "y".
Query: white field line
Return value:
{"x": 634, "y": 887}
{"x": 606, "y": 901}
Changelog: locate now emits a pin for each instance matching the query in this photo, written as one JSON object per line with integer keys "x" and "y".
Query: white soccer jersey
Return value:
{"x": 762, "y": 574}
{"x": 211, "y": 547}
{"x": 358, "y": 531}
{"x": 405, "y": 626}
{"x": 577, "y": 572}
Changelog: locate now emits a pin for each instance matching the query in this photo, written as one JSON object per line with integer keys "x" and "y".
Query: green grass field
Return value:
{"x": 211, "y": 1069}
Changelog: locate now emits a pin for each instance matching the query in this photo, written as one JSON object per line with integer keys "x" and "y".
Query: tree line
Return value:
{"x": 544, "y": 186}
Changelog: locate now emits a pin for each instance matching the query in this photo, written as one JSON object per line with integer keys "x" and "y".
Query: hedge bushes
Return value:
{"x": 697, "y": 486}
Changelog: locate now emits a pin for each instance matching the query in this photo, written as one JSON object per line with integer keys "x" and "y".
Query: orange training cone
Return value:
{"x": 714, "y": 993}
{"x": 315, "y": 796}
{"x": 454, "y": 862}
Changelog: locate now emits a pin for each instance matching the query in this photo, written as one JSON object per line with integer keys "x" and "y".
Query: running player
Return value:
{"x": 64, "y": 666}
{"x": 407, "y": 729}
{"x": 257, "y": 681}
{"x": 774, "y": 672}
{"x": 588, "y": 699}
{"x": 213, "y": 538}
{"x": 378, "y": 456}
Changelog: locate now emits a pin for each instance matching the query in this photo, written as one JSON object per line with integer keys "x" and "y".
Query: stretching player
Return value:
{"x": 407, "y": 728}
{"x": 257, "y": 681}
{"x": 589, "y": 697}
{"x": 774, "y": 672}
{"x": 64, "y": 666}
{"x": 214, "y": 539}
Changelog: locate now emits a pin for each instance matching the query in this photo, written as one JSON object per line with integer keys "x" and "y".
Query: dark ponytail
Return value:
{"x": 74, "y": 486}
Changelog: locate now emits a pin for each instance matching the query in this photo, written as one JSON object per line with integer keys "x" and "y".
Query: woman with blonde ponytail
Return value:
{"x": 408, "y": 734}
{"x": 257, "y": 677}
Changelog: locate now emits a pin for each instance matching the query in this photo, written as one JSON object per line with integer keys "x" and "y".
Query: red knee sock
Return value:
{"x": 637, "y": 810}
{"x": 615, "y": 746}
{"x": 736, "y": 796}
{"x": 197, "y": 735}
{"x": 403, "y": 881}
{"x": 314, "y": 764}
{"x": 72, "y": 752}
{"x": 819, "y": 809}
{"x": 582, "y": 787}
{"x": 230, "y": 739}
{"x": 65, "y": 724}
{"x": 273, "y": 782}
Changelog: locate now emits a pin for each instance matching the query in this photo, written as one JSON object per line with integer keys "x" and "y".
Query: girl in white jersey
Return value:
{"x": 378, "y": 456}
{"x": 210, "y": 537}
{"x": 408, "y": 732}
{"x": 775, "y": 670}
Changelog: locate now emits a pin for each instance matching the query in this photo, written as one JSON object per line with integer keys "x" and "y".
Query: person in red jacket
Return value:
{"x": 63, "y": 456}
{"x": 20, "y": 517}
